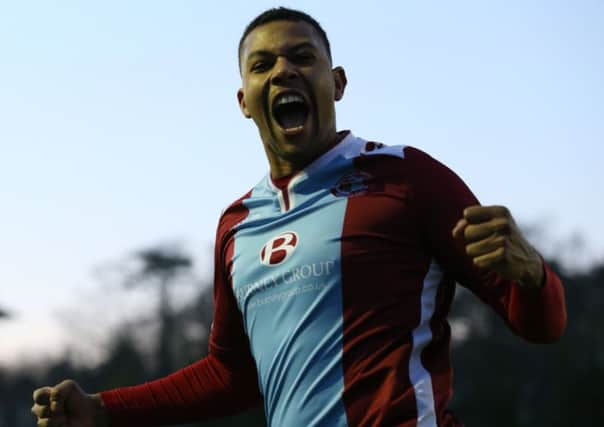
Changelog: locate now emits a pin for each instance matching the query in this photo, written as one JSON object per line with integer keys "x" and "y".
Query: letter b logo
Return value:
{"x": 279, "y": 248}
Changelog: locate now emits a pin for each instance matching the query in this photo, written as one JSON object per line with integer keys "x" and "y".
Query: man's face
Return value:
{"x": 289, "y": 89}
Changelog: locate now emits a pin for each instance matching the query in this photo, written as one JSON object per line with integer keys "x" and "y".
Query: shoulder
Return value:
{"x": 412, "y": 159}
{"x": 364, "y": 147}
{"x": 238, "y": 210}
{"x": 429, "y": 180}
{"x": 233, "y": 215}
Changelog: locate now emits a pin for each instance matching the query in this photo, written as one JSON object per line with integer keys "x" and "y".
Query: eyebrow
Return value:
{"x": 263, "y": 52}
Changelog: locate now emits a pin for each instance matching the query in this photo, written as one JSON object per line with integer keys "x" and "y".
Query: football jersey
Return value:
{"x": 332, "y": 289}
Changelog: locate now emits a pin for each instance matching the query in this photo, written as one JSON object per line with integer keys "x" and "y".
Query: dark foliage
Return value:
{"x": 500, "y": 379}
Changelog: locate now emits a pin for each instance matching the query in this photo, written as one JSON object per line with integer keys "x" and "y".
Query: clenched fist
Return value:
{"x": 67, "y": 405}
{"x": 494, "y": 242}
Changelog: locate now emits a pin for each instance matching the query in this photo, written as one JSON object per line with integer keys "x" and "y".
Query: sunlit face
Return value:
{"x": 289, "y": 90}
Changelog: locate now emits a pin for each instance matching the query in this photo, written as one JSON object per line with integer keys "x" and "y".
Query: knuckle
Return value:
{"x": 40, "y": 394}
{"x": 476, "y": 249}
{"x": 467, "y": 232}
{"x": 500, "y": 210}
{"x": 472, "y": 232}
{"x": 501, "y": 222}
{"x": 37, "y": 410}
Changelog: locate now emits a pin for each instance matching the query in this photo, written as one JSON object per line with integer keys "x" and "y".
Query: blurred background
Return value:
{"x": 121, "y": 141}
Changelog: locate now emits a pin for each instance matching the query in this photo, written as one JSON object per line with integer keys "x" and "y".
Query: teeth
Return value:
{"x": 286, "y": 99}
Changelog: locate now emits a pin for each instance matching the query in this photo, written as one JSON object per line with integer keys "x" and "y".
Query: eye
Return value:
{"x": 303, "y": 58}
{"x": 260, "y": 66}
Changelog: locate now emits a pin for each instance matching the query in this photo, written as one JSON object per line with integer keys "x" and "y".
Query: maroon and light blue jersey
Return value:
{"x": 332, "y": 289}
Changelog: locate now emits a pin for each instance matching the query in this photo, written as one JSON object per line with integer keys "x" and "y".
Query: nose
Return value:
{"x": 283, "y": 71}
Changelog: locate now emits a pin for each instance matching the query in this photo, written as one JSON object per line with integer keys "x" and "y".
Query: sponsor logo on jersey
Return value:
{"x": 353, "y": 184}
{"x": 287, "y": 283}
{"x": 279, "y": 248}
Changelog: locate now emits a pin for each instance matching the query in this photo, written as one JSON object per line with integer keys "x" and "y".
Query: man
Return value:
{"x": 334, "y": 275}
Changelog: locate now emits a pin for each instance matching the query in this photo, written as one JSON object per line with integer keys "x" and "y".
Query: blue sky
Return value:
{"x": 119, "y": 126}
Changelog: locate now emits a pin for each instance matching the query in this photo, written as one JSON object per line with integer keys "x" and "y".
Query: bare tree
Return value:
{"x": 162, "y": 267}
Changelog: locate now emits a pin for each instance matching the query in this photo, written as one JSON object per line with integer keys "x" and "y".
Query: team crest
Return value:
{"x": 353, "y": 184}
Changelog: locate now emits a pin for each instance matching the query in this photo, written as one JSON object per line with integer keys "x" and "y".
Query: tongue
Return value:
{"x": 291, "y": 116}
{"x": 293, "y": 119}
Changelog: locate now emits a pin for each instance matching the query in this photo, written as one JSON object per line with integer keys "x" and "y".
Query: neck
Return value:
{"x": 282, "y": 167}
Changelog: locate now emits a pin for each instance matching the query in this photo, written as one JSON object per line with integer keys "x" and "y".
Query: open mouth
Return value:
{"x": 290, "y": 111}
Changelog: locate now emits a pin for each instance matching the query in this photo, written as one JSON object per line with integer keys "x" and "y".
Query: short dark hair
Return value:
{"x": 283, "y": 14}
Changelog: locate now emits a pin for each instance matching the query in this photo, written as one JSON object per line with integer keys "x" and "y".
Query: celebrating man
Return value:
{"x": 334, "y": 275}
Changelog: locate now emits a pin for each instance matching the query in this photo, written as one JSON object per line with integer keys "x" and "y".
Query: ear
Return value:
{"x": 339, "y": 78}
{"x": 242, "y": 105}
